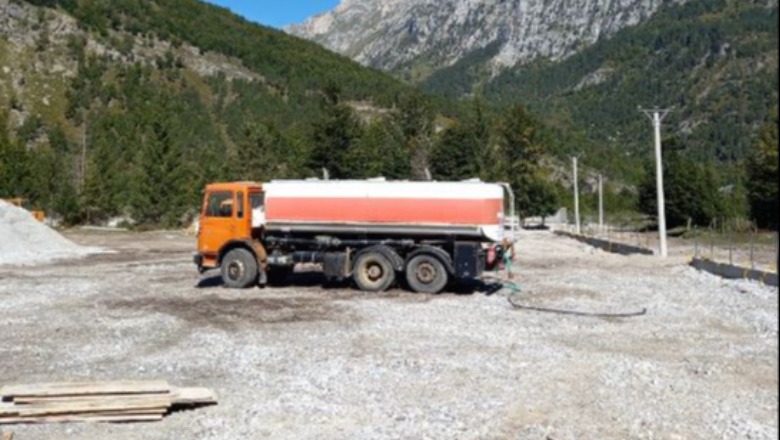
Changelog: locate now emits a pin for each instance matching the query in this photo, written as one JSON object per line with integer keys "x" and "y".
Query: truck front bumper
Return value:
{"x": 198, "y": 260}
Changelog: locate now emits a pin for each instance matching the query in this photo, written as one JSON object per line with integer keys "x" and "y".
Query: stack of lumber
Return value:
{"x": 118, "y": 402}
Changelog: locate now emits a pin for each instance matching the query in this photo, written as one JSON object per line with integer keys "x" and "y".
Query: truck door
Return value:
{"x": 218, "y": 223}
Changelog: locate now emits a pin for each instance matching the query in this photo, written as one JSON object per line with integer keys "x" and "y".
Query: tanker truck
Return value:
{"x": 378, "y": 232}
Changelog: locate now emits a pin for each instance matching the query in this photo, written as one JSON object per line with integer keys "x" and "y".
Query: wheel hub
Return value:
{"x": 374, "y": 272}
{"x": 235, "y": 270}
{"x": 426, "y": 273}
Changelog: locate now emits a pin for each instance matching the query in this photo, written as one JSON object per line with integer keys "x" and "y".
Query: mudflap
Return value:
{"x": 262, "y": 262}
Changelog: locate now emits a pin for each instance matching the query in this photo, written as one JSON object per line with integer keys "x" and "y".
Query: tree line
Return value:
{"x": 150, "y": 164}
{"x": 149, "y": 137}
{"x": 700, "y": 192}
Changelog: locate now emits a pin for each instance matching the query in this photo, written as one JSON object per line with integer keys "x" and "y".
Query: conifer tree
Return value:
{"x": 762, "y": 171}
{"x": 334, "y": 134}
{"x": 415, "y": 119}
{"x": 519, "y": 164}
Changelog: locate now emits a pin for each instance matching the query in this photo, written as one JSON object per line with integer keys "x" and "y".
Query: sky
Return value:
{"x": 277, "y": 13}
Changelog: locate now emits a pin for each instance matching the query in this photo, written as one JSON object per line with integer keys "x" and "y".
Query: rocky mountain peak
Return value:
{"x": 396, "y": 34}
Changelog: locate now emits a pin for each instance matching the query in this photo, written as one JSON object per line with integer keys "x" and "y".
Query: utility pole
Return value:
{"x": 601, "y": 203}
{"x": 576, "y": 195}
{"x": 657, "y": 116}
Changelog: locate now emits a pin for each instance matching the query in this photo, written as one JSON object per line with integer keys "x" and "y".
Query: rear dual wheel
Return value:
{"x": 373, "y": 272}
{"x": 426, "y": 274}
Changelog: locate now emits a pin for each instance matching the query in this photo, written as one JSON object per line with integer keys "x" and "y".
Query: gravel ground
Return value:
{"x": 308, "y": 362}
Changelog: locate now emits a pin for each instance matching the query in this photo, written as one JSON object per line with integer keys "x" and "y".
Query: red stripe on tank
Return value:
{"x": 356, "y": 210}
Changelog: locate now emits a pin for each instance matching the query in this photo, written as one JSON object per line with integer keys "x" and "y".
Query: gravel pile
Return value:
{"x": 25, "y": 240}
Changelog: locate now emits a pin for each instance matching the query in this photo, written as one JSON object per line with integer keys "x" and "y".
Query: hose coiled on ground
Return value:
{"x": 515, "y": 290}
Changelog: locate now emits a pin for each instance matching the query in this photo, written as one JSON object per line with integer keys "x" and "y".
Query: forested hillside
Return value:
{"x": 714, "y": 61}
{"x": 126, "y": 108}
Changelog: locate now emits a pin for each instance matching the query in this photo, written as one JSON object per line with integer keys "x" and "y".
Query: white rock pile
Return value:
{"x": 25, "y": 240}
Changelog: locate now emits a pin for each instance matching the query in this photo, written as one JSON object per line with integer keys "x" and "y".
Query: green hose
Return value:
{"x": 515, "y": 289}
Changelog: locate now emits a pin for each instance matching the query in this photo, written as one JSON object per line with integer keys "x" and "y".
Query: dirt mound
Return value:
{"x": 25, "y": 240}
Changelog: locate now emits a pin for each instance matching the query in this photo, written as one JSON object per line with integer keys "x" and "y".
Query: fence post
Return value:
{"x": 712, "y": 243}
{"x": 724, "y": 235}
{"x": 752, "y": 249}
{"x": 731, "y": 247}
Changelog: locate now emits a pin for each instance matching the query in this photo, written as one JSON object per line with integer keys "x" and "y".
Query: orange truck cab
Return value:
{"x": 225, "y": 227}
{"x": 375, "y": 231}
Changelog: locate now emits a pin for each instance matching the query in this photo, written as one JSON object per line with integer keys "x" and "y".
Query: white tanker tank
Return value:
{"x": 470, "y": 210}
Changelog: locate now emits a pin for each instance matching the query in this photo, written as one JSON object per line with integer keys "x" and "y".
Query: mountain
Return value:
{"x": 126, "y": 108}
{"x": 583, "y": 66}
{"x": 417, "y": 37}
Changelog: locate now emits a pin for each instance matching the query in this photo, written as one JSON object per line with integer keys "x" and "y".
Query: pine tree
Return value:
{"x": 519, "y": 156}
{"x": 762, "y": 171}
{"x": 455, "y": 156}
{"x": 161, "y": 191}
{"x": 334, "y": 134}
{"x": 690, "y": 189}
{"x": 14, "y": 164}
{"x": 463, "y": 150}
{"x": 415, "y": 119}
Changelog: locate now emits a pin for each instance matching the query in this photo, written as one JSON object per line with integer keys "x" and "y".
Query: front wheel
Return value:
{"x": 426, "y": 274}
{"x": 373, "y": 272}
{"x": 239, "y": 269}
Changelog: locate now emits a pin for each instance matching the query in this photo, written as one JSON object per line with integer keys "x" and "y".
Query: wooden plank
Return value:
{"x": 8, "y": 435}
{"x": 83, "y": 419}
{"x": 91, "y": 407}
{"x": 84, "y": 388}
{"x": 91, "y": 398}
{"x": 132, "y": 412}
{"x": 193, "y": 396}
{"x": 8, "y": 411}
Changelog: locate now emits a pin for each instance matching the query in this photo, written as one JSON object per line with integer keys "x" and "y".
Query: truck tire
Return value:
{"x": 373, "y": 272}
{"x": 426, "y": 274}
{"x": 239, "y": 269}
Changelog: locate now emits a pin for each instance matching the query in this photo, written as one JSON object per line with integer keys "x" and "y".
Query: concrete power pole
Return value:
{"x": 657, "y": 116}
{"x": 576, "y": 195}
{"x": 601, "y": 203}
